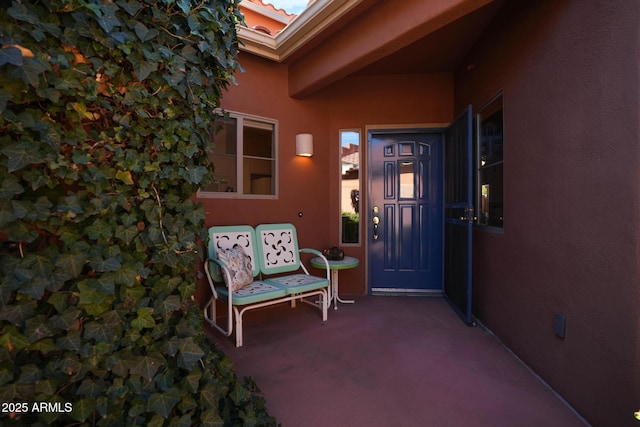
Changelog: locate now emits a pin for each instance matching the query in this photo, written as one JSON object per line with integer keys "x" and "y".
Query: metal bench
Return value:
{"x": 276, "y": 272}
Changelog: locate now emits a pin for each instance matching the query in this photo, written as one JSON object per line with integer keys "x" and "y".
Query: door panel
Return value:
{"x": 458, "y": 196}
{"x": 405, "y": 189}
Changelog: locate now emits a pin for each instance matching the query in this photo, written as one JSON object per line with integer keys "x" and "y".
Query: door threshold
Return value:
{"x": 406, "y": 292}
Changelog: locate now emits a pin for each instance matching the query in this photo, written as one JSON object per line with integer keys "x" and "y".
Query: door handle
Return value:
{"x": 375, "y": 221}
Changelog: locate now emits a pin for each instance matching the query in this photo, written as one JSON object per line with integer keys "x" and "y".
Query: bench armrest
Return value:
{"x": 219, "y": 273}
{"x": 318, "y": 254}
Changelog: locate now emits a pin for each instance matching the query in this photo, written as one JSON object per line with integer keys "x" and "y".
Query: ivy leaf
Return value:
{"x": 99, "y": 228}
{"x": 103, "y": 265}
{"x": 91, "y": 388}
{"x": 190, "y": 354}
{"x": 35, "y": 288}
{"x": 20, "y": 155}
{"x": 10, "y": 55}
{"x": 167, "y": 305}
{"x": 81, "y": 109}
{"x": 20, "y": 232}
{"x": 36, "y": 328}
{"x": 126, "y": 234}
{"x": 144, "y": 33}
{"x": 12, "y": 340}
{"x": 80, "y": 157}
{"x": 192, "y": 381}
{"x": 124, "y": 176}
{"x": 141, "y": 66}
{"x": 146, "y": 366}
{"x": 117, "y": 364}
{"x": 126, "y": 275}
{"x": 98, "y": 332}
{"x": 10, "y": 186}
{"x": 144, "y": 319}
{"x": 29, "y": 373}
{"x": 194, "y": 174}
{"x": 6, "y": 213}
{"x": 39, "y": 264}
{"x": 17, "y": 313}
{"x": 66, "y": 319}
{"x": 131, "y": 7}
{"x": 31, "y": 70}
{"x": 92, "y": 300}
{"x": 83, "y": 408}
{"x": 108, "y": 21}
{"x": 72, "y": 341}
{"x": 22, "y": 13}
{"x": 211, "y": 417}
{"x": 23, "y": 209}
{"x": 6, "y": 375}
{"x": 72, "y": 263}
{"x": 163, "y": 403}
{"x": 59, "y": 301}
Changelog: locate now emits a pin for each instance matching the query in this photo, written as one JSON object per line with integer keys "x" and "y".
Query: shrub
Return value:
{"x": 105, "y": 112}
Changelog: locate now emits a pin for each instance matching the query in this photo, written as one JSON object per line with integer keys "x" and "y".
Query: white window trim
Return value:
{"x": 241, "y": 117}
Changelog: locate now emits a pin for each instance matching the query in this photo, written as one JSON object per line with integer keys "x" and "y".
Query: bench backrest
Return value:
{"x": 225, "y": 237}
{"x": 277, "y": 248}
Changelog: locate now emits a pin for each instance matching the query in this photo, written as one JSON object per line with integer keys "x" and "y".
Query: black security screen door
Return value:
{"x": 458, "y": 209}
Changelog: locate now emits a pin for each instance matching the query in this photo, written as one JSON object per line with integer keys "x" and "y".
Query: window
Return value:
{"x": 243, "y": 154}
{"x": 350, "y": 186}
{"x": 490, "y": 163}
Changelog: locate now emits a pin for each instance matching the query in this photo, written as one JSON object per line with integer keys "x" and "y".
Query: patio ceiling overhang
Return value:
{"x": 326, "y": 42}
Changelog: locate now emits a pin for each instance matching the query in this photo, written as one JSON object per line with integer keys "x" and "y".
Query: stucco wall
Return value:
{"x": 569, "y": 71}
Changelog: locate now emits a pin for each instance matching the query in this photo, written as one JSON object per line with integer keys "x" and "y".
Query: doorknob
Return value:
{"x": 375, "y": 221}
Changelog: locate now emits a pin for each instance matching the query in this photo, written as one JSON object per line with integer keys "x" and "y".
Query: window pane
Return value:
{"x": 407, "y": 179}
{"x": 491, "y": 200}
{"x": 258, "y": 139}
{"x": 490, "y": 164}
{"x": 223, "y": 156}
{"x": 258, "y": 159}
{"x": 258, "y": 176}
{"x": 490, "y": 143}
{"x": 350, "y": 186}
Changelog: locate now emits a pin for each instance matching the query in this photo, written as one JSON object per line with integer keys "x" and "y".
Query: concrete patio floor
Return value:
{"x": 388, "y": 361}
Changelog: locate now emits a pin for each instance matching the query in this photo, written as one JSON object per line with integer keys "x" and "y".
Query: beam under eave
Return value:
{"x": 384, "y": 29}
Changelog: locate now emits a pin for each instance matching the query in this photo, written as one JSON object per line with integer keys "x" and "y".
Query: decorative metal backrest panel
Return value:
{"x": 226, "y": 237}
{"x": 278, "y": 248}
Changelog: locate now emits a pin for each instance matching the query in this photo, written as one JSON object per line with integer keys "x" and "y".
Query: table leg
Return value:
{"x": 334, "y": 291}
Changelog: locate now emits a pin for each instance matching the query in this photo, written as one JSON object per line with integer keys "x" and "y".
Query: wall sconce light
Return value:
{"x": 304, "y": 144}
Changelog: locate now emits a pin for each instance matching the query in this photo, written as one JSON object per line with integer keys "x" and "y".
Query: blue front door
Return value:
{"x": 405, "y": 211}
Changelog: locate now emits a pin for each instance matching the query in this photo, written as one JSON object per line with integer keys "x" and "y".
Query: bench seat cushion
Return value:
{"x": 297, "y": 283}
{"x": 257, "y": 291}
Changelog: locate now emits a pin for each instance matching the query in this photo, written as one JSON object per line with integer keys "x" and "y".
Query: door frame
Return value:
{"x": 409, "y": 128}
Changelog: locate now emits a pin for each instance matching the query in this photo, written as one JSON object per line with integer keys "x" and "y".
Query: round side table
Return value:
{"x": 335, "y": 266}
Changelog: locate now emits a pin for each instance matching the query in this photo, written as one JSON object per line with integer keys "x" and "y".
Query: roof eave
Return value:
{"x": 319, "y": 15}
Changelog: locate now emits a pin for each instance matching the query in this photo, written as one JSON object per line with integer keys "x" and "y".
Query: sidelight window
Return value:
{"x": 350, "y": 186}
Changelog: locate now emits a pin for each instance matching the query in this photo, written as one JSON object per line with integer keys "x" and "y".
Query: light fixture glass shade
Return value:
{"x": 304, "y": 144}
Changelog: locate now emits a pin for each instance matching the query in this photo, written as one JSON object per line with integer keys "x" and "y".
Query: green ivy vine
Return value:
{"x": 105, "y": 112}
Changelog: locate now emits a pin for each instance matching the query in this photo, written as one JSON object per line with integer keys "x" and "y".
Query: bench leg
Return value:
{"x": 210, "y": 315}
{"x": 238, "y": 326}
{"x": 325, "y": 305}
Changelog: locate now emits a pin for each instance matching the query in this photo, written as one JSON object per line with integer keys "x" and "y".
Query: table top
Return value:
{"x": 343, "y": 264}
